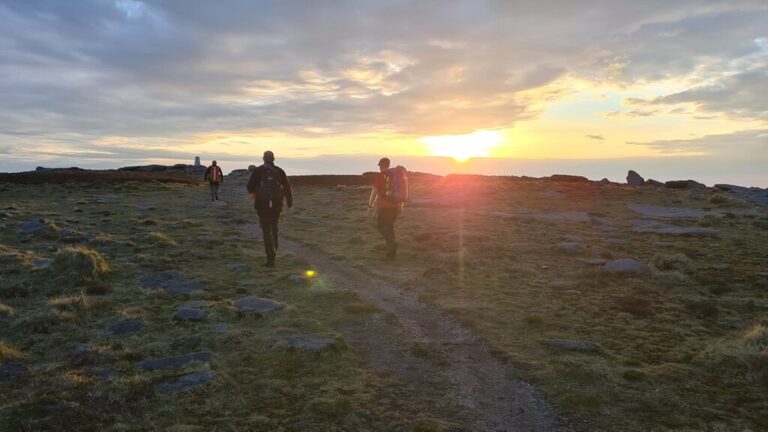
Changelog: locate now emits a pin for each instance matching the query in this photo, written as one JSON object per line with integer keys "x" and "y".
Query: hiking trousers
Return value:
{"x": 268, "y": 218}
{"x": 214, "y": 191}
{"x": 385, "y": 223}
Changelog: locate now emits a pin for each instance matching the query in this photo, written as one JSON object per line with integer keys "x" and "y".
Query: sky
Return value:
{"x": 672, "y": 89}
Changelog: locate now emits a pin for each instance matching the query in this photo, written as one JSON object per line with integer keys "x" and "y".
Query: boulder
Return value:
{"x": 634, "y": 179}
{"x": 570, "y": 247}
{"x": 176, "y": 362}
{"x": 126, "y": 326}
{"x": 684, "y": 184}
{"x": 605, "y": 181}
{"x": 173, "y": 283}
{"x": 39, "y": 227}
{"x": 258, "y": 306}
{"x": 655, "y": 183}
{"x": 189, "y": 314}
{"x": 627, "y": 266}
{"x": 568, "y": 178}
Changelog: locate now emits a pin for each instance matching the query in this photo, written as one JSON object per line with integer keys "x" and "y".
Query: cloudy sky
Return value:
{"x": 591, "y": 87}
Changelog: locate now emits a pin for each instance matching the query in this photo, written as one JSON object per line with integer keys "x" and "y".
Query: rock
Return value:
{"x": 176, "y": 362}
{"x": 39, "y": 227}
{"x": 299, "y": 279}
{"x": 666, "y": 212}
{"x": 306, "y": 342}
{"x": 605, "y": 181}
{"x": 684, "y": 184}
{"x": 681, "y": 231}
{"x": 720, "y": 266}
{"x": 258, "y": 306}
{"x": 42, "y": 263}
{"x": 628, "y": 266}
{"x": 596, "y": 261}
{"x": 568, "y": 178}
{"x": 187, "y": 382}
{"x": 240, "y": 267}
{"x": 573, "y": 345}
{"x": 194, "y": 304}
{"x": 634, "y": 179}
{"x": 101, "y": 373}
{"x": 187, "y": 343}
{"x": 173, "y": 283}
{"x": 570, "y": 247}
{"x": 197, "y": 162}
{"x": 126, "y": 326}
{"x": 654, "y": 183}
{"x": 221, "y": 327}
{"x": 11, "y": 370}
{"x": 189, "y": 314}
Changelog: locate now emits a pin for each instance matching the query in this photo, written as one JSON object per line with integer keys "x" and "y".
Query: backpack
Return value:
{"x": 398, "y": 185}
{"x": 270, "y": 192}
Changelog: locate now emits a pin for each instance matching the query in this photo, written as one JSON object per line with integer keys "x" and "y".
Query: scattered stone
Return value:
{"x": 173, "y": 283}
{"x": 596, "y": 261}
{"x": 664, "y": 244}
{"x": 187, "y": 382}
{"x": 189, "y": 314}
{"x": 307, "y": 342}
{"x": 678, "y": 230}
{"x": 258, "y": 306}
{"x": 570, "y": 247}
{"x": 101, "y": 373}
{"x": 176, "y": 362}
{"x": 240, "y": 267}
{"x": 11, "y": 370}
{"x": 221, "y": 327}
{"x": 126, "y": 326}
{"x": 39, "y": 227}
{"x": 299, "y": 279}
{"x": 188, "y": 343}
{"x": 573, "y": 345}
{"x": 666, "y": 212}
{"x": 628, "y": 266}
{"x": 42, "y": 263}
{"x": 721, "y": 266}
{"x": 605, "y": 181}
{"x": 684, "y": 184}
{"x": 634, "y": 179}
{"x": 654, "y": 183}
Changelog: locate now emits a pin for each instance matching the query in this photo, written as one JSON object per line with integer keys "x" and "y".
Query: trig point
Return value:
{"x": 197, "y": 161}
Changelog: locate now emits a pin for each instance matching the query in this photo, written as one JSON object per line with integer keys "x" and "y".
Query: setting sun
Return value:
{"x": 463, "y": 147}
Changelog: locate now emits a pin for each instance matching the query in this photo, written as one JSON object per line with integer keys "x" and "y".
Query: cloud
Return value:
{"x": 75, "y": 72}
{"x": 746, "y": 145}
{"x": 595, "y": 137}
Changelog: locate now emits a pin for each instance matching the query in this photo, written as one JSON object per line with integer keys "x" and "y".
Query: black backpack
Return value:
{"x": 270, "y": 193}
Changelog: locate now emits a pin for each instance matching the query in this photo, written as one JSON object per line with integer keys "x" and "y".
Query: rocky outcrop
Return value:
{"x": 634, "y": 179}
{"x": 684, "y": 184}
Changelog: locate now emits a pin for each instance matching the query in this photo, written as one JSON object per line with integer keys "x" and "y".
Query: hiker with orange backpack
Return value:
{"x": 390, "y": 191}
{"x": 269, "y": 186}
{"x": 214, "y": 177}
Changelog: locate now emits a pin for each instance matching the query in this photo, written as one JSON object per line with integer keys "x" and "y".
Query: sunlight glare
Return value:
{"x": 463, "y": 147}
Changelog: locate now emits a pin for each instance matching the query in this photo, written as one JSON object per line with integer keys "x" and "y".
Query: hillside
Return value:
{"x": 515, "y": 304}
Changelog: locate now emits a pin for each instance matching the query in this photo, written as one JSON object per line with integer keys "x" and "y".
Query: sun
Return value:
{"x": 463, "y": 147}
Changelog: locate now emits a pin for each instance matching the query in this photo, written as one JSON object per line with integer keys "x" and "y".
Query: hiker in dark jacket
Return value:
{"x": 389, "y": 205}
{"x": 214, "y": 177}
{"x": 269, "y": 186}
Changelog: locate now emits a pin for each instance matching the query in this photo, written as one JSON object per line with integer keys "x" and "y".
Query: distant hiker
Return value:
{"x": 390, "y": 190}
{"x": 214, "y": 177}
{"x": 269, "y": 186}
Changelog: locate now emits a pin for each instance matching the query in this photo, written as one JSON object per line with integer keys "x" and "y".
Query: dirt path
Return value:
{"x": 454, "y": 367}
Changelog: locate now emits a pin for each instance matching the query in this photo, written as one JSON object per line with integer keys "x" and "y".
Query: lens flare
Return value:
{"x": 463, "y": 147}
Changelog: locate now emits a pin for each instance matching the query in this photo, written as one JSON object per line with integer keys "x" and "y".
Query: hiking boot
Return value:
{"x": 270, "y": 264}
{"x": 392, "y": 252}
